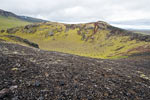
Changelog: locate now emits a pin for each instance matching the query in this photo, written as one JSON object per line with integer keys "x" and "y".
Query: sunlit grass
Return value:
{"x": 70, "y": 41}
{"x": 10, "y": 22}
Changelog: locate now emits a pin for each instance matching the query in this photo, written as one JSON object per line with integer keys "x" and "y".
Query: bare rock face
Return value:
{"x": 33, "y": 74}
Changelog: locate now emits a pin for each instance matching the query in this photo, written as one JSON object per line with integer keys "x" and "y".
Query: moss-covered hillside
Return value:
{"x": 97, "y": 39}
{"x": 10, "y": 22}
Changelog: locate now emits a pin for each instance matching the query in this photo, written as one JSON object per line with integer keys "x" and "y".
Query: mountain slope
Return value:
{"x": 34, "y": 74}
{"x": 96, "y": 39}
{"x": 9, "y": 20}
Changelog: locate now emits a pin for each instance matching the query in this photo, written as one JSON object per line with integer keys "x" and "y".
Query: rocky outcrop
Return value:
{"x": 12, "y": 30}
{"x": 133, "y": 36}
{"x": 2, "y": 31}
{"x": 30, "y": 28}
{"x": 15, "y": 38}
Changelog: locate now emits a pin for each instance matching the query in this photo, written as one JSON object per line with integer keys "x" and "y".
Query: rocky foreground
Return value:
{"x": 33, "y": 74}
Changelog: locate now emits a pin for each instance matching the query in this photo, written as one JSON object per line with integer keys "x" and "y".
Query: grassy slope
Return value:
{"x": 71, "y": 41}
{"x": 9, "y": 22}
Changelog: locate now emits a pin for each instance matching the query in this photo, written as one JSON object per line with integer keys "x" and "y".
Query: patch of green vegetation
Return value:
{"x": 80, "y": 40}
{"x": 10, "y": 22}
{"x": 142, "y": 75}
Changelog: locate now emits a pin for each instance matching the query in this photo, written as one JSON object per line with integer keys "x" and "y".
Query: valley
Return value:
{"x": 44, "y": 60}
{"x": 95, "y": 39}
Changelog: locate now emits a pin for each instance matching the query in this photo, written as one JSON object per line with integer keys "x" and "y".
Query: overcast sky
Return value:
{"x": 80, "y": 10}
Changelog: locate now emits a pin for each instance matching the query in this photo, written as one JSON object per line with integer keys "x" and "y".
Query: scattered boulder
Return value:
{"x": 2, "y": 31}
{"x": 71, "y": 26}
{"x": 31, "y": 26}
{"x": 34, "y": 83}
{"x": 61, "y": 83}
{"x": 83, "y": 36}
{"x": 6, "y": 91}
{"x": 2, "y": 40}
{"x": 37, "y": 83}
{"x": 29, "y": 30}
{"x": 40, "y": 98}
{"x": 12, "y": 30}
{"x": 51, "y": 33}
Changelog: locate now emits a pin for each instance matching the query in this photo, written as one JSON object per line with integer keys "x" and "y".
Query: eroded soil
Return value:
{"x": 32, "y": 74}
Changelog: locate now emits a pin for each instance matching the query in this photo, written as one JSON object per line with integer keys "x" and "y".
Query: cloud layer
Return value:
{"x": 80, "y": 10}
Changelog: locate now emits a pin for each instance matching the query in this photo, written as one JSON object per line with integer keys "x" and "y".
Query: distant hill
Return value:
{"x": 142, "y": 31}
{"x": 95, "y": 39}
{"x": 9, "y": 20}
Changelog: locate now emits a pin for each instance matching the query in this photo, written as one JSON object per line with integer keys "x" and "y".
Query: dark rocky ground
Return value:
{"x": 32, "y": 74}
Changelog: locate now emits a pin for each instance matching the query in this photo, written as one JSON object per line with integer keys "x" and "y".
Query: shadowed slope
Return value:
{"x": 9, "y": 22}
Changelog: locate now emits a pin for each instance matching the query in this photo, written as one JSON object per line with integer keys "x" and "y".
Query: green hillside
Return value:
{"x": 97, "y": 39}
{"x": 9, "y": 22}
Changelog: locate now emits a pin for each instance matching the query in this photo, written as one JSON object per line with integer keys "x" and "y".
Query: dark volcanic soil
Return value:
{"x": 32, "y": 74}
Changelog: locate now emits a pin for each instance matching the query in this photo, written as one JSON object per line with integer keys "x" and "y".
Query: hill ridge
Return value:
{"x": 25, "y": 18}
{"x": 94, "y": 39}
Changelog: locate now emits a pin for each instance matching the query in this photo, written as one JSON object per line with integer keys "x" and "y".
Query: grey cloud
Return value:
{"x": 80, "y": 10}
